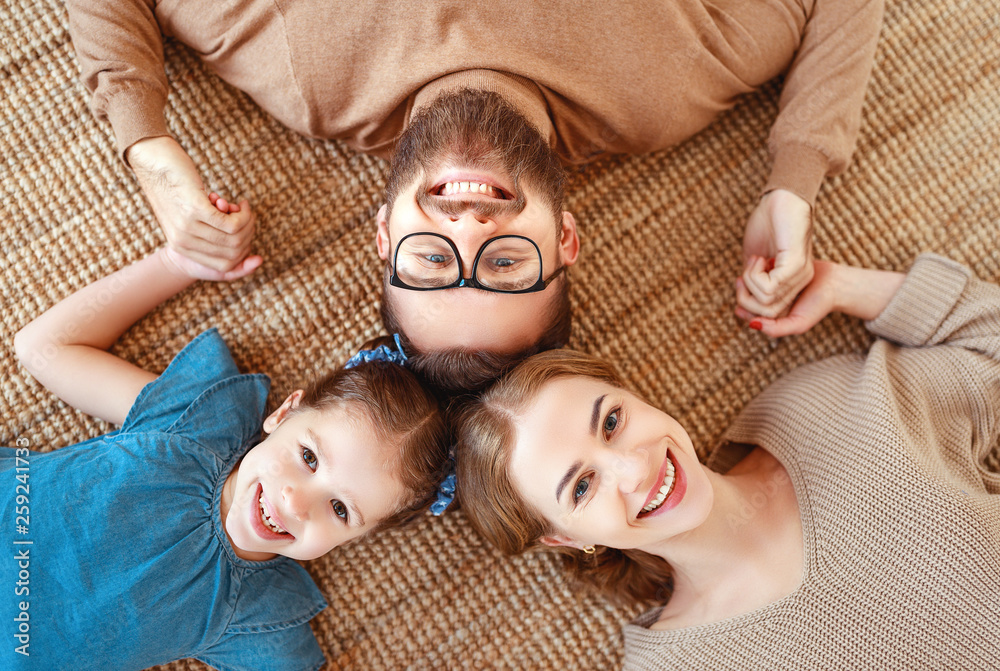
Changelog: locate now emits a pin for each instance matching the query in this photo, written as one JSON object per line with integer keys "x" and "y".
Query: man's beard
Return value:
{"x": 476, "y": 130}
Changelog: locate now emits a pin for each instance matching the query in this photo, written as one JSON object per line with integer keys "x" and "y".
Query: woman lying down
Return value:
{"x": 846, "y": 521}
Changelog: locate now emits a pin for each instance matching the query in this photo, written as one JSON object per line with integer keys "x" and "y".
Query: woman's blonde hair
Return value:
{"x": 486, "y": 432}
{"x": 402, "y": 412}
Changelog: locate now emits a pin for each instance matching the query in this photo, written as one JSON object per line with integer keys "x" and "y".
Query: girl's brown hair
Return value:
{"x": 486, "y": 433}
{"x": 402, "y": 412}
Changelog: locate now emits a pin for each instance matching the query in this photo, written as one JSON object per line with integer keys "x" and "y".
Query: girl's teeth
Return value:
{"x": 267, "y": 520}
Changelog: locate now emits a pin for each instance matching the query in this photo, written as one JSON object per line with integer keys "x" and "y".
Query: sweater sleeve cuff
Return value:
{"x": 930, "y": 291}
{"x": 136, "y": 114}
{"x": 799, "y": 169}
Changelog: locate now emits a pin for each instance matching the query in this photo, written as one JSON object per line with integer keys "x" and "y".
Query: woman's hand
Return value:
{"x": 859, "y": 292}
{"x": 816, "y": 301}
{"x": 777, "y": 253}
{"x": 212, "y": 237}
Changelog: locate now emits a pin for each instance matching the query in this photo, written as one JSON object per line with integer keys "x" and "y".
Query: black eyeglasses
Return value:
{"x": 507, "y": 264}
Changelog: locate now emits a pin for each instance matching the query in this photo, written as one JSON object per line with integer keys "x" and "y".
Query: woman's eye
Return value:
{"x": 309, "y": 457}
{"x": 340, "y": 510}
{"x": 611, "y": 421}
{"x": 582, "y": 486}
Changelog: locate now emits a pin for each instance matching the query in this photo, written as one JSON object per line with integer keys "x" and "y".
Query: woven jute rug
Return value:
{"x": 652, "y": 292}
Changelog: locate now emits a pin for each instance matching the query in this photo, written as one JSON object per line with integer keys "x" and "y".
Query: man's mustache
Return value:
{"x": 494, "y": 208}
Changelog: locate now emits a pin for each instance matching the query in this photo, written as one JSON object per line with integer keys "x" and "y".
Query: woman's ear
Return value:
{"x": 278, "y": 416}
{"x": 560, "y": 541}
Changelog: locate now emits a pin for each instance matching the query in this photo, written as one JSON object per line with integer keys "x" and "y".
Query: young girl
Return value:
{"x": 175, "y": 535}
{"x": 848, "y": 521}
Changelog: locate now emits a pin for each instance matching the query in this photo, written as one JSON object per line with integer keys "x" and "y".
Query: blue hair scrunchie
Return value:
{"x": 445, "y": 495}
{"x": 446, "y": 490}
{"x": 380, "y": 353}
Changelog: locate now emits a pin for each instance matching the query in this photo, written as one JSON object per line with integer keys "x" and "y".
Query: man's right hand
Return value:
{"x": 193, "y": 225}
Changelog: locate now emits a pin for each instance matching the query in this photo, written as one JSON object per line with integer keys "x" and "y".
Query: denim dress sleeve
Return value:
{"x": 202, "y": 362}
{"x": 191, "y": 398}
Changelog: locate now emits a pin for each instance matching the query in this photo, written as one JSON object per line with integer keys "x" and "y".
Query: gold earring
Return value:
{"x": 589, "y": 549}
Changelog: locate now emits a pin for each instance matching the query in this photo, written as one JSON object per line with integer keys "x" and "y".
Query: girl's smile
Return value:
{"x": 265, "y": 521}
{"x": 318, "y": 480}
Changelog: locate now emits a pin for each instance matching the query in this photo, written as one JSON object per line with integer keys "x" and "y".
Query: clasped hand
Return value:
{"x": 777, "y": 254}
{"x": 204, "y": 228}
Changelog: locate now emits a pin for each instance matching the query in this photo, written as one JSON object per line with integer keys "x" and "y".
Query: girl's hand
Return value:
{"x": 179, "y": 263}
{"x": 182, "y": 265}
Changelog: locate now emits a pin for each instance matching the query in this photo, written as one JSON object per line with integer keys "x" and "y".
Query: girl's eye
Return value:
{"x": 581, "y": 489}
{"x": 309, "y": 458}
{"x": 339, "y": 509}
{"x": 611, "y": 421}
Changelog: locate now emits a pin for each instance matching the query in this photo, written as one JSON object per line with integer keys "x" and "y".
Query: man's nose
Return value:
{"x": 469, "y": 231}
{"x": 472, "y": 219}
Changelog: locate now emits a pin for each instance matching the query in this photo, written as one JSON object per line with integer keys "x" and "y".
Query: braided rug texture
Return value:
{"x": 652, "y": 292}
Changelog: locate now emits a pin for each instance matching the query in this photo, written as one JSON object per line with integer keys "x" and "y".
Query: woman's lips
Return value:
{"x": 659, "y": 479}
{"x": 677, "y": 488}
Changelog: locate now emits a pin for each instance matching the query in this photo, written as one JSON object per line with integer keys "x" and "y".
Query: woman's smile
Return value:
{"x": 668, "y": 490}
{"x": 629, "y": 469}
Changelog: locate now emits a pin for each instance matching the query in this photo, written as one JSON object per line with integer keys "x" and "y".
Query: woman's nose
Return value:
{"x": 630, "y": 469}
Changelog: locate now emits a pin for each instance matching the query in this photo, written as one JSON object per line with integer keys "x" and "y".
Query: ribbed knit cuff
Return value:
{"x": 927, "y": 296}
{"x": 135, "y": 113}
{"x": 799, "y": 169}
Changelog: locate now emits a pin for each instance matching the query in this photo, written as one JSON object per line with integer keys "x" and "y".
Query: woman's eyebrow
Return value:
{"x": 567, "y": 477}
{"x": 596, "y": 414}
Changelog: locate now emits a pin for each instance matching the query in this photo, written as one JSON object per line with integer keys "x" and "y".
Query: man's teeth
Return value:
{"x": 451, "y": 188}
{"x": 665, "y": 489}
{"x": 267, "y": 519}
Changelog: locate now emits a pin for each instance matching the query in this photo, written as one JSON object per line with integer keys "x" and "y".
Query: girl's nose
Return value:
{"x": 296, "y": 502}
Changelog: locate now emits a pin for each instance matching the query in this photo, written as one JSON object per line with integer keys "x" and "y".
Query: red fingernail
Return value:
{"x": 756, "y": 325}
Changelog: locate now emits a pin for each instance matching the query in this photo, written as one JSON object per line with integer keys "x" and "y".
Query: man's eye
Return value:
{"x": 339, "y": 509}
{"x": 582, "y": 486}
{"x": 611, "y": 421}
{"x": 436, "y": 258}
{"x": 309, "y": 458}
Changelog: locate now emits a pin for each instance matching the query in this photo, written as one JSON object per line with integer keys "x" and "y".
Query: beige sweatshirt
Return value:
{"x": 608, "y": 76}
{"x": 900, "y": 516}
